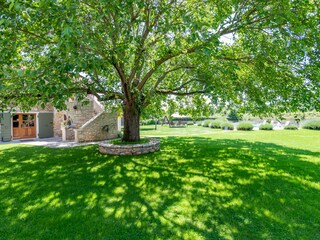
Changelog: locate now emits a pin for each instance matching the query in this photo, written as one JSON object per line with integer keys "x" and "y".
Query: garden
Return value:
{"x": 214, "y": 179}
{"x": 204, "y": 183}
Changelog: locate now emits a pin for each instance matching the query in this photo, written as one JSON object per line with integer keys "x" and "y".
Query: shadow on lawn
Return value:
{"x": 194, "y": 188}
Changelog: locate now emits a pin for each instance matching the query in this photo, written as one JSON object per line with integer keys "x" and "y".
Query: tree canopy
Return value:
{"x": 257, "y": 55}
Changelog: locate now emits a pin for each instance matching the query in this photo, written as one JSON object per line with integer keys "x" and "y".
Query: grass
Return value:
{"x": 203, "y": 184}
{"x": 120, "y": 142}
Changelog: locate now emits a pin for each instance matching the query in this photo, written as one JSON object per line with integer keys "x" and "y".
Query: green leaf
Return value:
{"x": 67, "y": 31}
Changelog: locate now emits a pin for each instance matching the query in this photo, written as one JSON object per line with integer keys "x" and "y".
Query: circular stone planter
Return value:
{"x": 129, "y": 149}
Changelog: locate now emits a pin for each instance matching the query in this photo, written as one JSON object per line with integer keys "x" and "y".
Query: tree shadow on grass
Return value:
{"x": 194, "y": 188}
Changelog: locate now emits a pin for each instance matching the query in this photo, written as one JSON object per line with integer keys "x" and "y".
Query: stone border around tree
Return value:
{"x": 129, "y": 149}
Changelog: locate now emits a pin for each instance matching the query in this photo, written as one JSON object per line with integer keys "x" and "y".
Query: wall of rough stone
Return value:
{"x": 102, "y": 127}
{"x": 47, "y": 108}
{"x": 97, "y": 106}
{"x": 80, "y": 114}
{"x": 129, "y": 149}
{"x": 87, "y": 122}
{"x": 68, "y": 134}
{"x": 58, "y": 118}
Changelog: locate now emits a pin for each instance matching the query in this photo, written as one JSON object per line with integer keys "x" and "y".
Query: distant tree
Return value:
{"x": 234, "y": 115}
{"x": 137, "y": 52}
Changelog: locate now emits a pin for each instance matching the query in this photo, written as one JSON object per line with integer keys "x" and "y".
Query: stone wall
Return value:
{"x": 68, "y": 134}
{"x": 103, "y": 126}
{"x": 97, "y": 106}
{"x": 129, "y": 149}
{"x": 47, "y": 108}
{"x": 58, "y": 119}
{"x": 80, "y": 114}
{"x": 87, "y": 122}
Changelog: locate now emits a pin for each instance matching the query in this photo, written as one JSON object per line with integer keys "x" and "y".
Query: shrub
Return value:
{"x": 266, "y": 126}
{"x": 206, "y": 123}
{"x": 148, "y": 122}
{"x": 312, "y": 124}
{"x": 215, "y": 124}
{"x": 190, "y": 123}
{"x": 227, "y": 126}
{"x": 291, "y": 127}
{"x": 199, "y": 123}
{"x": 246, "y": 126}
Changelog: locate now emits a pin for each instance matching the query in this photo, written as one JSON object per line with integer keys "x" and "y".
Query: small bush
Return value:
{"x": 190, "y": 123}
{"x": 291, "y": 127}
{"x": 148, "y": 122}
{"x": 227, "y": 126}
{"x": 245, "y": 126}
{"x": 206, "y": 123}
{"x": 312, "y": 124}
{"x": 266, "y": 126}
{"x": 199, "y": 123}
{"x": 215, "y": 124}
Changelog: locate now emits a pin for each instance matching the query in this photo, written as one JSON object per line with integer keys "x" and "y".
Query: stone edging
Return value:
{"x": 129, "y": 149}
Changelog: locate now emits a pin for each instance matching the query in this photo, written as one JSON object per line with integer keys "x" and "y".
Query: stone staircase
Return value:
{"x": 90, "y": 122}
{"x": 103, "y": 126}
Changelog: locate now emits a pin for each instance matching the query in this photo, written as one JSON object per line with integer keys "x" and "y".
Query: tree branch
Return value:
{"x": 163, "y": 76}
{"x": 159, "y": 62}
{"x": 35, "y": 35}
{"x": 180, "y": 93}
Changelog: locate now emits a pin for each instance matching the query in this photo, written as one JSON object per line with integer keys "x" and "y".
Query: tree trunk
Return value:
{"x": 131, "y": 115}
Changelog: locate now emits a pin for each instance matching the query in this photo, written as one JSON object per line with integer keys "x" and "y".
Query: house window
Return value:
{"x": 15, "y": 121}
{"x": 25, "y": 120}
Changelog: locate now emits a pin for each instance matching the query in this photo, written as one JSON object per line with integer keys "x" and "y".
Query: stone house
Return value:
{"x": 80, "y": 123}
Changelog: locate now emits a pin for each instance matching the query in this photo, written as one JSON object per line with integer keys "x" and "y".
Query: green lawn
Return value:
{"x": 203, "y": 184}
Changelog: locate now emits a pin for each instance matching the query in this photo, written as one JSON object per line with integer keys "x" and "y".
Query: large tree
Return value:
{"x": 255, "y": 54}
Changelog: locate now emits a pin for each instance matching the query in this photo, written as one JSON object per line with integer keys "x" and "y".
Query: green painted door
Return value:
{"x": 45, "y": 123}
{"x": 5, "y": 127}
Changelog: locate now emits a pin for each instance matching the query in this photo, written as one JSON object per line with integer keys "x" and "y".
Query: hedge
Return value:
{"x": 227, "y": 126}
{"x": 206, "y": 123}
{"x": 266, "y": 126}
{"x": 291, "y": 127}
{"x": 245, "y": 126}
{"x": 312, "y": 124}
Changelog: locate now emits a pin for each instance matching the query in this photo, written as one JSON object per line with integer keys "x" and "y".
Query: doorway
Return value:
{"x": 24, "y": 125}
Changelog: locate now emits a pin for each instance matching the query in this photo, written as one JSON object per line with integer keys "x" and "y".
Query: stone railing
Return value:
{"x": 129, "y": 149}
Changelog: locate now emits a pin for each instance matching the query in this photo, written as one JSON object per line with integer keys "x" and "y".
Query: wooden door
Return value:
{"x": 24, "y": 126}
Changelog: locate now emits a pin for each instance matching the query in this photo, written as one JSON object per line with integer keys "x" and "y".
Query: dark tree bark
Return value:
{"x": 131, "y": 115}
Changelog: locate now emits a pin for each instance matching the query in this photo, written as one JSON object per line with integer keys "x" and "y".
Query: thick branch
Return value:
{"x": 35, "y": 35}
{"x": 159, "y": 62}
{"x": 246, "y": 59}
{"x": 184, "y": 85}
{"x": 180, "y": 93}
{"x": 164, "y": 75}
{"x": 107, "y": 95}
{"x": 124, "y": 83}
